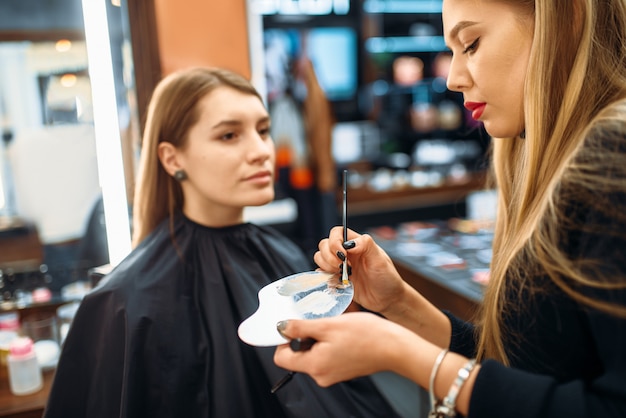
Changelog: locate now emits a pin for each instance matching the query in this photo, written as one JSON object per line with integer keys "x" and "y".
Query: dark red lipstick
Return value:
{"x": 476, "y": 108}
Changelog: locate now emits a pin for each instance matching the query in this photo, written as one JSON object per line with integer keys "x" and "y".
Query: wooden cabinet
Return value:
{"x": 33, "y": 405}
{"x": 28, "y": 406}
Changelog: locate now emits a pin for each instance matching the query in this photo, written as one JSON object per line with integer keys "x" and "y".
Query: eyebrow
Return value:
{"x": 459, "y": 27}
{"x": 235, "y": 122}
{"x": 226, "y": 123}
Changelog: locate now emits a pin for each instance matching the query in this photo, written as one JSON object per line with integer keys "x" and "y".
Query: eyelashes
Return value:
{"x": 471, "y": 47}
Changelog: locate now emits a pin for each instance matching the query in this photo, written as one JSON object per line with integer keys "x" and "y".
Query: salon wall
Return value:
{"x": 203, "y": 32}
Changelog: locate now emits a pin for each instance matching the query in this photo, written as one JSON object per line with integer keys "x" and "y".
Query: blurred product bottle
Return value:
{"x": 24, "y": 372}
{"x": 9, "y": 328}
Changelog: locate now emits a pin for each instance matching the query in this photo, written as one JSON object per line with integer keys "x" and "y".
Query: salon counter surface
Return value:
{"x": 27, "y": 406}
{"x": 450, "y": 287}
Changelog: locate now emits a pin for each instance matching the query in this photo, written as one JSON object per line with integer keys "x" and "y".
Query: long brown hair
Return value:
{"x": 576, "y": 77}
{"x": 172, "y": 112}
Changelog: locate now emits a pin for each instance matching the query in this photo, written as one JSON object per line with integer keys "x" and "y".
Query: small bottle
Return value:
{"x": 24, "y": 371}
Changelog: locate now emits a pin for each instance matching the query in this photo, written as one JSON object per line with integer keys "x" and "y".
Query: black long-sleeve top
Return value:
{"x": 566, "y": 358}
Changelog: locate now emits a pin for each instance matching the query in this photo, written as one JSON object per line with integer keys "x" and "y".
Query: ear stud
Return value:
{"x": 180, "y": 175}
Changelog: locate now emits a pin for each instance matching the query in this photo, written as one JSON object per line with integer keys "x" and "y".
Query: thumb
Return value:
{"x": 287, "y": 328}
{"x": 291, "y": 330}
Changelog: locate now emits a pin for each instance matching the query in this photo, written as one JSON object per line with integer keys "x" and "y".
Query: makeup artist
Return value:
{"x": 548, "y": 80}
{"x": 158, "y": 336}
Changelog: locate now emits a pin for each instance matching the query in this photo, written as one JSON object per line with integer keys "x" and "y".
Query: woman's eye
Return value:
{"x": 471, "y": 47}
{"x": 264, "y": 131}
{"x": 228, "y": 136}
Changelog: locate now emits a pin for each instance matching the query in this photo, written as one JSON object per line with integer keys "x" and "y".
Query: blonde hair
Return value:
{"x": 576, "y": 77}
{"x": 171, "y": 113}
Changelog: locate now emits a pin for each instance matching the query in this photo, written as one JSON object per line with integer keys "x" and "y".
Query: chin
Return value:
{"x": 262, "y": 199}
{"x": 499, "y": 131}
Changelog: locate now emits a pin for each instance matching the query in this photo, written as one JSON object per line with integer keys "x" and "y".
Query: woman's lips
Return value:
{"x": 476, "y": 108}
{"x": 260, "y": 177}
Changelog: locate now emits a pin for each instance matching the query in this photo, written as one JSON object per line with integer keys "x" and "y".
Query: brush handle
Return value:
{"x": 345, "y": 206}
{"x": 297, "y": 344}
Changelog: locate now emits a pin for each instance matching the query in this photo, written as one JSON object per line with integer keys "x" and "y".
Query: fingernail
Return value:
{"x": 349, "y": 244}
{"x": 280, "y": 327}
{"x": 349, "y": 269}
{"x": 299, "y": 344}
{"x": 341, "y": 256}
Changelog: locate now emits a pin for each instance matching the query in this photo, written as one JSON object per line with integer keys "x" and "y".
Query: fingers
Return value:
{"x": 333, "y": 250}
{"x": 299, "y": 340}
{"x": 294, "y": 329}
{"x": 324, "y": 258}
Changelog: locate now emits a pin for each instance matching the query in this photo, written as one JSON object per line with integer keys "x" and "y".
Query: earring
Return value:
{"x": 180, "y": 175}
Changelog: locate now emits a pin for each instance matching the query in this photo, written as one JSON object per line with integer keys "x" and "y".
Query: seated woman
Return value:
{"x": 158, "y": 336}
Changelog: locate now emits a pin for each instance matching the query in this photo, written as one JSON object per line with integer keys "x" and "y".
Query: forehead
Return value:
{"x": 461, "y": 14}
{"x": 455, "y": 11}
{"x": 227, "y": 102}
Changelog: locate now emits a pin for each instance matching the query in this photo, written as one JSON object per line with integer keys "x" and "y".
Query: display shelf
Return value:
{"x": 399, "y": 6}
{"x": 365, "y": 201}
{"x": 405, "y": 44}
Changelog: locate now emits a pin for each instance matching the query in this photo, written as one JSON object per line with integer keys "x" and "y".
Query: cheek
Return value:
{"x": 213, "y": 166}
{"x": 501, "y": 77}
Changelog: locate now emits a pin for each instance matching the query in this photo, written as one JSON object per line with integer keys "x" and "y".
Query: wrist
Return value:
{"x": 448, "y": 405}
{"x": 453, "y": 386}
{"x": 402, "y": 305}
{"x": 411, "y": 310}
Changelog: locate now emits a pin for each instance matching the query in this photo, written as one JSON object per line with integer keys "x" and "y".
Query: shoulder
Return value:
{"x": 598, "y": 165}
{"x": 605, "y": 139}
{"x": 155, "y": 257}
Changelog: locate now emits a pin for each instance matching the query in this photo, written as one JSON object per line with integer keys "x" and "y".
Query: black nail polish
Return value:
{"x": 349, "y": 244}
{"x": 301, "y": 344}
{"x": 349, "y": 269}
{"x": 280, "y": 327}
{"x": 341, "y": 256}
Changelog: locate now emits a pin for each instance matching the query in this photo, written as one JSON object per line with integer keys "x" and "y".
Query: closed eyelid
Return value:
{"x": 472, "y": 46}
{"x": 454, "y": 32}
{"x": 453, "y": 35}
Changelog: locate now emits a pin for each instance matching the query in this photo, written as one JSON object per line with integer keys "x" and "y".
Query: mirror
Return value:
{"x": 52, "y": 219}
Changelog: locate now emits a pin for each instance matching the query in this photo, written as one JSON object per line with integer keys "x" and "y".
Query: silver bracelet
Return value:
{"x": 448, "y": 406}
{"x": 431, "y": 389}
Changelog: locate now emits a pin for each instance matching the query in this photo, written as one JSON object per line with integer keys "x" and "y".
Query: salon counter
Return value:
{"x": 27, "y": 406}
{"x": 450, "y": 287}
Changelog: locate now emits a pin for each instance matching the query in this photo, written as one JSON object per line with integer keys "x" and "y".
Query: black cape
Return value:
{"x": 158, "y": 337}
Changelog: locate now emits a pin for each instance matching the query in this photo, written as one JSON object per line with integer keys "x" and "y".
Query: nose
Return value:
{"x": 261, "y": 147}
{"x": 458, "y": 77}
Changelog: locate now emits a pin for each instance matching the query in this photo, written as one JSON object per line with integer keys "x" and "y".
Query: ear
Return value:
{"x": 168, "y": 155}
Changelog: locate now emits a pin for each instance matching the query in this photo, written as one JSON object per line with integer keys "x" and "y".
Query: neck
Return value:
{"x": 215, "y": 217}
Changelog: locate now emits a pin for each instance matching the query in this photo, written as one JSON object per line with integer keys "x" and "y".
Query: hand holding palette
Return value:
{"x": 307, "y": 295}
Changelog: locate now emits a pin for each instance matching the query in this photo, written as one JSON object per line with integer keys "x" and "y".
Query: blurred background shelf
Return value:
{"x": 365, "y": 201}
